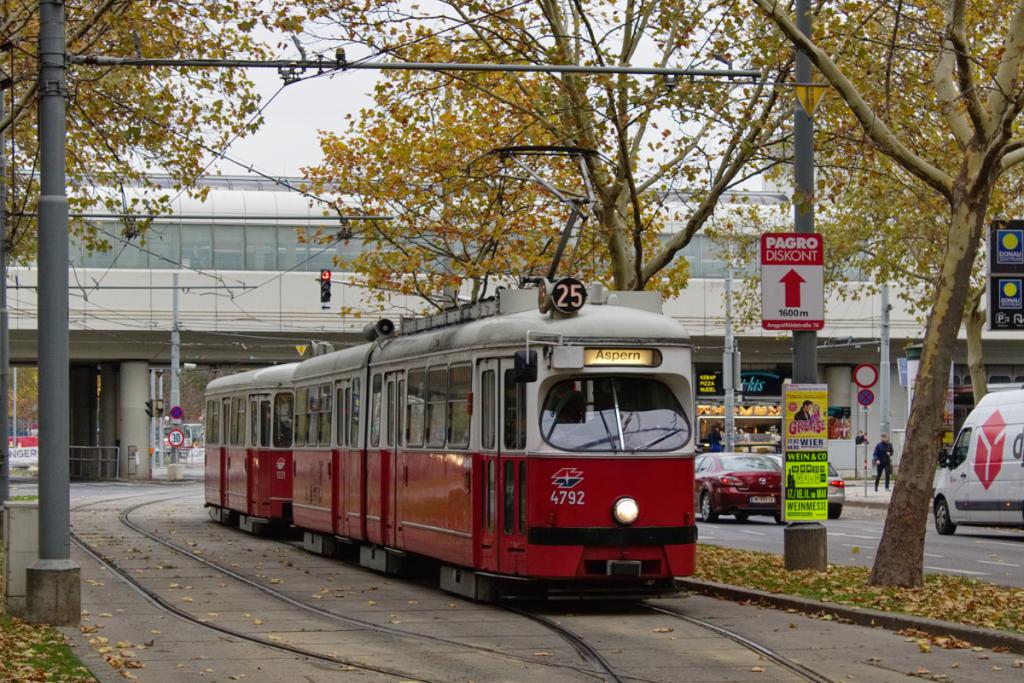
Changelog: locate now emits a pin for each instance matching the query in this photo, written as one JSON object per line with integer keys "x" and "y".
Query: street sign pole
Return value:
{"x": 805, "y": 545}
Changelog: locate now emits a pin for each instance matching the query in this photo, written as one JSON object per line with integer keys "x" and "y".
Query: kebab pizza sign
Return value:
{"x": 792, "y": 281}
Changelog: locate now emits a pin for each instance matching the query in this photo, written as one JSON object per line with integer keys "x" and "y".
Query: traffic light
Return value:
{"x": 155, "y": 408}
{"x": 325, "y": 286}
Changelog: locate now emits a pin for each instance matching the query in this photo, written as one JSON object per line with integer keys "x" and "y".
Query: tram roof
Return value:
{"x": 260, "y": 378}
{"x": 606, "y": 324}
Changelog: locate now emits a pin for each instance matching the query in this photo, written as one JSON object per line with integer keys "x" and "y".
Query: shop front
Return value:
{"x": 758, "y": 410}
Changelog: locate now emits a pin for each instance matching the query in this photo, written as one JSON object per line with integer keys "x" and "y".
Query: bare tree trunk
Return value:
{"x": 974, "y": 322}
{"x": 900, "y": 555}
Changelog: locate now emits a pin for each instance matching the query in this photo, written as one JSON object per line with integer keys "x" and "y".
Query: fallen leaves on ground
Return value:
{"x": 947, "y": 598}
{"x": 37, "y": 653}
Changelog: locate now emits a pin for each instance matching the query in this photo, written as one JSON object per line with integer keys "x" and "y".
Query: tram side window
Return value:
{"x": 389, "y": 435}
{"x": 487, "y": 400}
{"x": 437, "y": 405}
{"x": 254, "y": 422}
{"x": 213, "y": 422}
{"x": 515, "y": 412}
{"x": 398, "y": 410}
{"x": 313, "y": 421}
{"x": 300, "y": 416}
{"x": 340, "y": 436}
{"x": 238, "y": 433}
{"x": 414, "y": 407}
{"x": 325, "y": 414}
{"x": 375, "y": 411}
{"x": 353, "y": 433}
{"x": 283, "y": 404}
{"x": 266, "y": 421}
{"x": 460, "y": 386}
{"x": 225, "y": 412}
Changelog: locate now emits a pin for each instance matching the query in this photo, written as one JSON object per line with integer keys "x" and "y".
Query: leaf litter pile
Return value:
{"x": 35, "y": 653}
{"x": 947, "y": 598}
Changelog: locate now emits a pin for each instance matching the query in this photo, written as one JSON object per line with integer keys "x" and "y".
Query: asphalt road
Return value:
{"x": 990, "y": 554}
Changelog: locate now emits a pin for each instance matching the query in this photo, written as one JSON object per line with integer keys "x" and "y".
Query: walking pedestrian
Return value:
{"x": 882, "y": 459}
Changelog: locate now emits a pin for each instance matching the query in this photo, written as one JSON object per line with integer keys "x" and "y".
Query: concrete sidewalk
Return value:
{"x": 856, "y": 497}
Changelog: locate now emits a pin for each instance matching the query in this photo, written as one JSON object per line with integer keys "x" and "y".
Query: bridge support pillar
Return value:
{"x": 133, "y": 425}
{"x": 83, "y": 405}
{"x": 108, "y": 404}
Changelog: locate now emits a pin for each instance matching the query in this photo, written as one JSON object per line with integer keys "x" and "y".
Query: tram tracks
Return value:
{"x": 124, "y": 518}
{"x": 790, "y": 665}
{"x": 600, "y": 668}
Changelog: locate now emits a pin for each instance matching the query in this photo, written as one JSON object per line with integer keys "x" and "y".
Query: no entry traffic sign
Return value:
{"x": 865, "y": 375}
{"x": 792, "y": 281}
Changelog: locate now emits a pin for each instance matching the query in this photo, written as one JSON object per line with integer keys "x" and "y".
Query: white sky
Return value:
{"x": 288, "y": 139}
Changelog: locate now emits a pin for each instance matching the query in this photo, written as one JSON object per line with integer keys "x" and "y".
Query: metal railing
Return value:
{"x": 95, "y": 463}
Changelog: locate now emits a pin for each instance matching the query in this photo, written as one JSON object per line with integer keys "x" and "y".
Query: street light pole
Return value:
{"x": 53, "y": 589}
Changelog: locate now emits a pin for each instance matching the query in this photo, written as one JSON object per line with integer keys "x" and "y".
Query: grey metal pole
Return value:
{"x": 159, "y": 419}
{"x": 53, "y": 589}
{"x": 175, "y": 360}
{"x": 728, "y": 371}
{"x": 884, "y": 374}
{"x": 54, "y": 514}
{"x": 14, "y": 405}
{"x": 805, "y": 344}
{"x": 5, "y": 453}
{"x": 805, "y": 546}
{"x": 151, "y": 453}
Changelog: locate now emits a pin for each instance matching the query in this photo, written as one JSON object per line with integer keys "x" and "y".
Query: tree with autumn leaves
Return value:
{"x": 665, "y": 150}
{"x": 970, "y": 55}
{"x": 123, "y": 123}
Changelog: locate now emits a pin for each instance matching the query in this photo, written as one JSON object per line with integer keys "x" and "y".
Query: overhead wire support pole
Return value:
{"x": 53, "y": 588}
{"x": 325, "y": 65}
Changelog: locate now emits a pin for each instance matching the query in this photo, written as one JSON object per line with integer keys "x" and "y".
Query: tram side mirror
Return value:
{"x": 525, "y": 369}
{"x": 943, "y": 457}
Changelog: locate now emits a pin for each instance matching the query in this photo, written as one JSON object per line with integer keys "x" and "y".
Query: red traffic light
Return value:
{"x": 325, "y": 275}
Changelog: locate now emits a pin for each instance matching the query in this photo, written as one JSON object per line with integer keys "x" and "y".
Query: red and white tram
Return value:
{"x": 514, "y": 447}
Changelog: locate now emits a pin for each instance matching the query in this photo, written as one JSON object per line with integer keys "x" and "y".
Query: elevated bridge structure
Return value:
{"x": 246, "y": 260}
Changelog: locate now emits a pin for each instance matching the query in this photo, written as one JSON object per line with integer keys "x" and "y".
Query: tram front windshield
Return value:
{"x": 614, "y": 414}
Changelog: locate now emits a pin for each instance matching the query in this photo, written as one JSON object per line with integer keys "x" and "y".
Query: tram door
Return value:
{"x": 252, "y": 456}
{"x": 502, "y": 471}
{"x": 487, "y": 465}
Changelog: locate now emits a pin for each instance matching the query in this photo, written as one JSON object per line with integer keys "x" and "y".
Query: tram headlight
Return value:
{"x": 625, "y": 511}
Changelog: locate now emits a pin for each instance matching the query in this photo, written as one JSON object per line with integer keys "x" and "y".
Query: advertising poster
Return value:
{"x": 805, "y": 489}
{"x": 839, "y": 423}
{"x": 806, "y": 410}
{"x": 806, "y": 486}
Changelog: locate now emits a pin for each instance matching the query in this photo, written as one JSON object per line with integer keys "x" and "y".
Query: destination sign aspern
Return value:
{"x": 641, "y": 357}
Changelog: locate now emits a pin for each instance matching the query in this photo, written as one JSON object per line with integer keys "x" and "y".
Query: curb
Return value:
{"x": 985, "y": 637}
{"x": 873, "y": 504}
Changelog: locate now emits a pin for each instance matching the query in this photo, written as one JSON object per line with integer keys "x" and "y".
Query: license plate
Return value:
{"x": 762, "y": 499}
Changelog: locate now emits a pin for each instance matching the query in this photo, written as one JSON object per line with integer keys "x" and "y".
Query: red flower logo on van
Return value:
{"x": 989, "y": 459}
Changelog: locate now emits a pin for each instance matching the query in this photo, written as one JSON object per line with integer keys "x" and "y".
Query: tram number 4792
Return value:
{"x": 568, "y": 497}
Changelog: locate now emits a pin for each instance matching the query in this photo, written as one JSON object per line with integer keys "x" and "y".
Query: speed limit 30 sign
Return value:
{"x": 176, "y": 438}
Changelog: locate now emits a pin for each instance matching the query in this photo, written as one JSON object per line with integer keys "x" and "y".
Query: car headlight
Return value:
{"x": 625, "y": 511}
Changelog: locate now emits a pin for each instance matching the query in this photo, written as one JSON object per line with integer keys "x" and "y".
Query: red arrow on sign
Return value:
{"x": 792, "y": 282}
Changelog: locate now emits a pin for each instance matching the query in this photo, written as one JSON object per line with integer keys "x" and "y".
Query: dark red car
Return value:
{"x": 738, "y": 484}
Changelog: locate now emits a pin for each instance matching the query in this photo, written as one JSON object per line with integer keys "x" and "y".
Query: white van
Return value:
{"x": 981, "y": 480}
